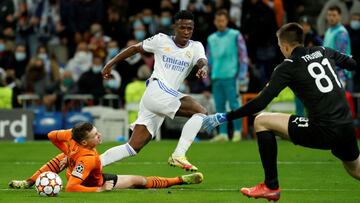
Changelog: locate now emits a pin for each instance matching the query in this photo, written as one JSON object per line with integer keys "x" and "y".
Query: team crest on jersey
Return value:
{"x": 78, "y": 170}
{"x": 188, "y": 54}
{"x": 301, "y": 122}
{"x": 167, "y": 49}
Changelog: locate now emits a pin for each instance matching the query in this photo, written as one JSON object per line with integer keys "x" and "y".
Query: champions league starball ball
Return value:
{"x": 48, "y": 184}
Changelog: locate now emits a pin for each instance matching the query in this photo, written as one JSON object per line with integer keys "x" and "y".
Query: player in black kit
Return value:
{"x": 310, "y": 73}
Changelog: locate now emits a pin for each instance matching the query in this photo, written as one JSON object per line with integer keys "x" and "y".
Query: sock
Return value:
{"x": 188, "y": 134}
{"x": 268, "y": 153}
{"x": 160, "y": 182}
{"x": 52, "y": 165}
{"x": 116, "y": 154}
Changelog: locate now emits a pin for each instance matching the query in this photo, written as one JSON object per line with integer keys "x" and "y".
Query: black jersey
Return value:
{"x": 311, "y": 74}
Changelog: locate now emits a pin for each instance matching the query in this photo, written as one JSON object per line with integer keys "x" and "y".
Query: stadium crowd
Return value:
{"x": 56, "y": 47}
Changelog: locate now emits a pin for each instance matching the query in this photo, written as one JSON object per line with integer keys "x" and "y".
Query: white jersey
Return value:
{"x": 172, "y": 63}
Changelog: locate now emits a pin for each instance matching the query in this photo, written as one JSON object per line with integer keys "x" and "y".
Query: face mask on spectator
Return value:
{"x": 96, "y": 69}
{"x": 112, "y": 52}
{"x": 165, "y": 21}
{"x": 112, "y": 84}
{"x": 355, "y": 24}
{"x": 20, "y": 56}
{"x": 43, "y": 56}
{"x": 2, "y": 47}
{"x": 68, "y": 82}
{"x": 147, "y": 19}
{"x": 140, "y": 35}
{"x": 81, "y": 56}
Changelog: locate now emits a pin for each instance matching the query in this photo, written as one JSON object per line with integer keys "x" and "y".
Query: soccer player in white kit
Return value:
{"x": 175, "y": 56}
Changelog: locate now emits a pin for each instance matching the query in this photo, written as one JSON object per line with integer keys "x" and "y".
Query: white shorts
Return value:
{"x": 157, "y": 102}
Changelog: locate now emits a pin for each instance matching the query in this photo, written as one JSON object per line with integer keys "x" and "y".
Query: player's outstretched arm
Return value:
{"x": 131, "y": 50}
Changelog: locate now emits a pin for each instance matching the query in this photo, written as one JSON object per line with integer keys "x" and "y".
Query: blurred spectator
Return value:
{"x": 337, "y": 38}
{"x": 52, "y": 67}
{"x": 293, "y": 9}
{"x": 98, "y": 40}
{"x": 345, "y": 7}
{"x": 228, "y": 63}
{"x": 47, "y": 15}
{"x": 7, "y": 19}
{"x": 91, "y": 82}
{"x": 354, "y": 32}
{"x": 259, "y": 28}
{"x": 278, "y": 8}
{"x": 6, "y": 93}
{"x": 311, "y": 36}
{"x": 112, "y": 49}
{"x": 20, "y": 60}
{"x": 165, "y": 22}
{"x": 81, "y": 61}
{"x": 203, "y": 17}
{"x": 36, "y": 81}
{"x": 139, "y": 31}
{"x": 27, "y": 25}
{"x": 77, "y": 16}
{"x": 57, "y": 43}
{"x": 235, "y": 12}
{"x": 149, "y": 20}
{"x": 67, "y": 85}
{"x": 168, "y": 5}
{"x": 117, "y": 27}
{"x": 6, "y": 56}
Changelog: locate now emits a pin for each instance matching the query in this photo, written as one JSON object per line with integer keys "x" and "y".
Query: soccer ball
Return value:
{"x": 48, "y": 184}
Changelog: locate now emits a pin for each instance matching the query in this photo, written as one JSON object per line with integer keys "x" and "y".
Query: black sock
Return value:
{"x": 268, "y": 153}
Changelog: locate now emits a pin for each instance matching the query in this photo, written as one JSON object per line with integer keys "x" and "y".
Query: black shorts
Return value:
{"x": 107, "y": 177}
{"x": 340, "y": 139}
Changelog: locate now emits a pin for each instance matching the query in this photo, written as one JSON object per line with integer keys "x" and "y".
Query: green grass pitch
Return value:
{"x": 306, "y": 175}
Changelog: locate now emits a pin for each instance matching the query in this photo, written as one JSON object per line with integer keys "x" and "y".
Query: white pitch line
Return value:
{"x": 202, "y": 163}
{"x": 230, "y": 189}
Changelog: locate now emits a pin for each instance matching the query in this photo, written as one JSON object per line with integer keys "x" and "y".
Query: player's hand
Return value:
{"x": 108, "y": 185}
{"x": 63, "y": 163}
{"x": 106, "y": 71}
{"x": 212, "y": 121}
{"x": 202, "y": 72}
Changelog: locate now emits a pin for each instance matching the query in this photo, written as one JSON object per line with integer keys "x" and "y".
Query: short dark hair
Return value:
{"x": 291, "y": 33}
{"x": 80, "y": 131}
{"x": 335, "y": 8}
{"x": 183, "y": 15}
{"x": 223, "y": 12}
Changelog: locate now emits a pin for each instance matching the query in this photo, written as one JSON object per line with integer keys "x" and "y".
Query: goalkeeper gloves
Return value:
{"x": 211, "y": 121}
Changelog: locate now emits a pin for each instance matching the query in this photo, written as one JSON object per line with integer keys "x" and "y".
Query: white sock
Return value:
{"x": 116, "y": 154}
{"x": 188, "y": 134}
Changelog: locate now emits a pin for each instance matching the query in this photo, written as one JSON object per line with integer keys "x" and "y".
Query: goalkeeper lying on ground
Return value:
{"x": 84, "y": 169}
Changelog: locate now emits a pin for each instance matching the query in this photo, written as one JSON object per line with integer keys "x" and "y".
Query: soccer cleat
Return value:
{"x": 194, "y": 178}
{"x": 220, "y": 138}
{"x": 236, "y": 137}
{"x": 261, "y": 191}
{"x": 182, "y": 162}
{"x": 19, "y": 184}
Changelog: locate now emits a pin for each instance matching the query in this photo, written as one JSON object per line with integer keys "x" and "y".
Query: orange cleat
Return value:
{"x": 261, "y": 191}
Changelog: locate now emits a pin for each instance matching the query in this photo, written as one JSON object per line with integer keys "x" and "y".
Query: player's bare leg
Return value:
{"x": 133, "y": 181}
{"x": 139, "y": 138}
{"x": 56, "y": 165}
{"x": 353, "y": 168}
{"x": 266, "y": 124}
{"x": 193, "y": 110}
